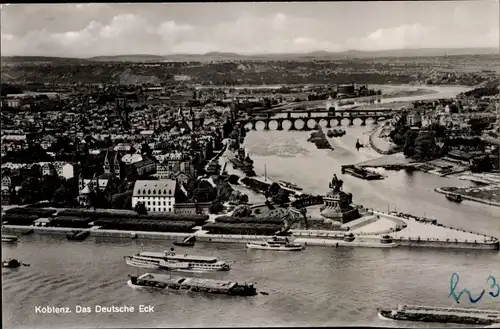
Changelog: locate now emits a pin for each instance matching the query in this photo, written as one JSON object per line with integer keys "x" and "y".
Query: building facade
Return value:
{"x": 157, "y": 195}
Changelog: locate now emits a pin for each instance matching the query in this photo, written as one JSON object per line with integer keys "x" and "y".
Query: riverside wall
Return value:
{"x": 319, "y": 238}
{"x": 490, "y": 245}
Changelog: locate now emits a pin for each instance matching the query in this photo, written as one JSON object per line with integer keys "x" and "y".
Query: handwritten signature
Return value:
{"x": 495, "y": 289}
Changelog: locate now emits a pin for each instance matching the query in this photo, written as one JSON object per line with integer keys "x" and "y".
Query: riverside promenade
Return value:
{"x": 405, "y": 231}
{"x": 368, "y": 231}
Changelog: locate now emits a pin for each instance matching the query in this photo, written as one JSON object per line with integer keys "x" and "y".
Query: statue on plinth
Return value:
{"x": 337, "y": 208}
{"x": 336, "y": 184}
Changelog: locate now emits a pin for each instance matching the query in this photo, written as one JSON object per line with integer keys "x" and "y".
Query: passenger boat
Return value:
{"x": 454, "y": 197}
{"x": 187, "y": 242}
{"x": 290, "y": 185}
{"x": 172, "y": 261}
{"x": 276, "y": 243}
{"x": 162, "y": 281}
{"x": 9, "y": 238}
{"x": 441, "y": 315}
{"x": 12, "y": 263}
{"x": 78, "y": 235}
{"x": 159, "y": 264}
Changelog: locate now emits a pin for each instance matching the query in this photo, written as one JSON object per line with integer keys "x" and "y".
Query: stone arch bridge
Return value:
{"x": 330, "y": 116}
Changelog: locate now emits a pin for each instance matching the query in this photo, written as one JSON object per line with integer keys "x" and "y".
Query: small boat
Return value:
{"x": 9, "y": 238}
{"x": 276, "y": 243}
{"x": 29, "y": 232}
{"x": 12, "y": 263}
{"x": 78, "y": 235}
{"x": 289, "y": 185}
{"x": 178, "y": 283}
{"x": 454, "y": 197}
{"x": 187, "y": 242}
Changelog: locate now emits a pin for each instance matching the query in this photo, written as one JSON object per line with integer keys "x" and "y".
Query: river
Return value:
{"x": 317, "y": 287}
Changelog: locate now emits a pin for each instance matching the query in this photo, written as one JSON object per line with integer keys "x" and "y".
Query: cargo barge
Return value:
{"x": 361, "y": 172}
{"x": 441, "y": 315}
{"x": 162, "y": 281}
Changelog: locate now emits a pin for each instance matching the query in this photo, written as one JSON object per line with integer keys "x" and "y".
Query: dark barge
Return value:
{"x": 442, "y": 315}
{"x": 361, "y": 172}
{"x": 221, "y": 287}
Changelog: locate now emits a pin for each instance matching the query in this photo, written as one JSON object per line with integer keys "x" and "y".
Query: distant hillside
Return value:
{"x": 128, "y": 58}
{"x": 316, "y": 55}
{"x": 42, "y": 60}
{"x": 226, "y": 56}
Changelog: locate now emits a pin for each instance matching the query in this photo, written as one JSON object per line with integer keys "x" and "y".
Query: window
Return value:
{"x": 149, "y": 191}
{"x": 149, "y": 203}
{"x": 169, "y": 191}
{"x": 149, "y": 209}
{"x": 164, "y": 203}
{"x": 164, "y": 191}
{"x": 154, "y": 203}
{"x": 143, "y": 191}
{"x": 138, "y": 191}
{"x": 164, "y": 209}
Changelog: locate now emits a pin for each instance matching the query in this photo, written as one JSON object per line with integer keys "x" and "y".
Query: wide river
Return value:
{"x": 317, "y": 287}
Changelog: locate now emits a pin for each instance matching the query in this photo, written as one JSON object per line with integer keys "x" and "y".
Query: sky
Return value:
{"x": 86, "y": 30}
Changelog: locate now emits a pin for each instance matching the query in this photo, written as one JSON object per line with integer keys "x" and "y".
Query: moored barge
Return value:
{"x": 360, "y": 172}
{"x": 442, "y": 315}
{"x": 162, "y": 281}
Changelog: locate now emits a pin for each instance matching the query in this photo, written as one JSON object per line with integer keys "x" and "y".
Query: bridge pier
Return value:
{"x": 289, "y": 115}
{"x": 266, "y": 125}
{"x": 254, "y": 125}
{"x": 363, "y": 121}
{"x": 292, "y": 125}
{"x": 309, "y": 114}
{"x": 339, "y": 121}
{"x": 351, "y": 121}
{"x": 280, "y": 125}
{"x": 328, "y": 123}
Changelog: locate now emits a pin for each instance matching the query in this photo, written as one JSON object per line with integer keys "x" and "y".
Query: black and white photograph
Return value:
{"x": 250, "y": 164}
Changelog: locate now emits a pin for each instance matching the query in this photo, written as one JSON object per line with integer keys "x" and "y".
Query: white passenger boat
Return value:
{"x": 278, "y": 244}
{"x": 169, "y": 260}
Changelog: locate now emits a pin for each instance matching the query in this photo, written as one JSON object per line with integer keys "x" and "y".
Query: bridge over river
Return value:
{"x": 317, "y": 116}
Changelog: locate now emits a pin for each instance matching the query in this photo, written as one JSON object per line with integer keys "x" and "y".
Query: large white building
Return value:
{"x": 157, "y": 195}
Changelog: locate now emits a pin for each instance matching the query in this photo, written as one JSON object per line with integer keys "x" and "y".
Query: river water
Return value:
{"x": 317, "y": 287}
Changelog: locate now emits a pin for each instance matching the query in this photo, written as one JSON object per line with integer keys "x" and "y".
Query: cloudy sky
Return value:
{"x": 84, "y": 30}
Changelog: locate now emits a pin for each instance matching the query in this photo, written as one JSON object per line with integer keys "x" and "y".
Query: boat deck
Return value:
{"x": 188, "y": 281}
{"x": 490, "y": 314}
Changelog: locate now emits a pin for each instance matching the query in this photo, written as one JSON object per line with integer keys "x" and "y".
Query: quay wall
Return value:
{"x": 316, "y": 238}
{"x": 470, "y": 198}
{"x": 492, "y": 245}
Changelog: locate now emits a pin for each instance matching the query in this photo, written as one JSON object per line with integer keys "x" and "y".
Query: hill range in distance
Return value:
{"x": 225, "y": 56}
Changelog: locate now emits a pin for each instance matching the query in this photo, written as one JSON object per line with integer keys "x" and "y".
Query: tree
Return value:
{"x": 243, "y": 198}
{"x": 140, "y": 208}
{"x": 281, "y": 197}
{"x": 215, "y": 207}
{"x": 146, "y": 150}
{"x": 242, "y": 211}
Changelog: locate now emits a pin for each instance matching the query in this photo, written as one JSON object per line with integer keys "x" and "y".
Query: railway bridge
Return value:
{"x": 307, "y": 116}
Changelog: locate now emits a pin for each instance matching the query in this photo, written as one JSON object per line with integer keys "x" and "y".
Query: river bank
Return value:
{"x": 489, "y": 195}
